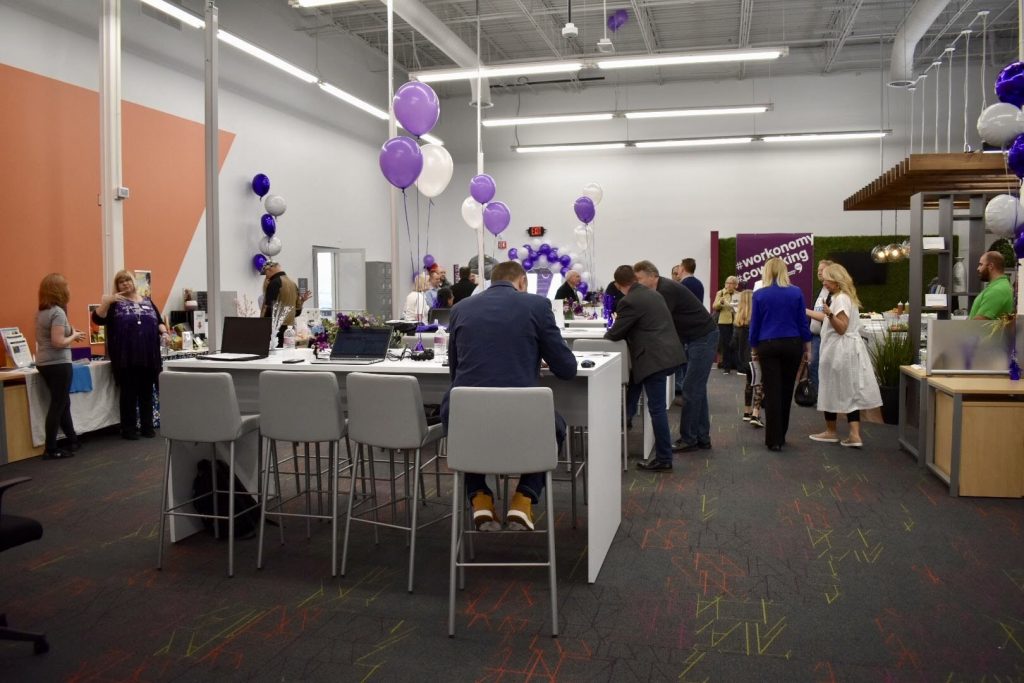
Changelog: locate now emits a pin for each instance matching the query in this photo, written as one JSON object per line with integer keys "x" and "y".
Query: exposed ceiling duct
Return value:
{"x": 918, "y": 21}
{"x": 434, "y": 30}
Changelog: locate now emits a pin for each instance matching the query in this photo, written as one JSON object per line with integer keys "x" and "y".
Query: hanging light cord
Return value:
{"x": 967, "y": 72}
{"x": 984, "y": 78}
{"x": 938, "y": 86}
{"x": 949, "y": 102}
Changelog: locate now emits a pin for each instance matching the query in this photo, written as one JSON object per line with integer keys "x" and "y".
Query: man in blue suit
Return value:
{"x": 498, "y": 338}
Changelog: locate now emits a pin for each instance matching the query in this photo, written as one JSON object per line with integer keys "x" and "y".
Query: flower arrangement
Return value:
{"x": 325, "y": 333}
{"x": 1007, "y": 325}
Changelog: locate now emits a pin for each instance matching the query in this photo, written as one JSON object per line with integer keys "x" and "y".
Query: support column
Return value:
{"x": 212, "y": 165}
{"x": 397, "y": 292}
{"x": 110, "y": 141}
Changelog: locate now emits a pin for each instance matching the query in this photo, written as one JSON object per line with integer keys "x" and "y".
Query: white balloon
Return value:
{"x": 573, "y": 256}
{"x": 536, "y": 243}
{"x": 1002, "y": 214}
{"x": 473, "y": 213}
{"x": 594, "y": 191}
{"x": 437, "y": 170}
{"x": 578, "y": 267}
{"x": 270, "y": 246}
{"x": 542, "y": 260}
{"x": 1000, "y": 124}
{"x": 585, "y": 275}
{"x": 581, "y": 241}
{"x": 274, "y": 204}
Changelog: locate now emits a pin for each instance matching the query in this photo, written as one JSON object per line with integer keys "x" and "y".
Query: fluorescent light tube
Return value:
{"x": 585, "y": 147}
{"x": 695, "y": 142}
{"x": 534, "y": 120}
{"x": 698, "y": 111}
{"x": 353, "y": 100}
{"x": 432, "y": 139}
{"x": 261, "y": 54}
{"x": 694, "y": 58}
{"x": 442, "y": 75}
{"x": 177, "y": 12}
{"x": 818, "y": 137}
{"x": 317, "y": 3}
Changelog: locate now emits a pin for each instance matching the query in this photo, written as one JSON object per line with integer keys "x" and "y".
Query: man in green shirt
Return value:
{"x": 997, "y": 298}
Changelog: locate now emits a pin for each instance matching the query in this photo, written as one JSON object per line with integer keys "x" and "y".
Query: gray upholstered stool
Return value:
{"x": 201, "y": 407}
{"x": 301, "y": 407}
{"x": 480, "y": 442}
{"x": 607, "y": 345}
{"x": 386, "y": 411}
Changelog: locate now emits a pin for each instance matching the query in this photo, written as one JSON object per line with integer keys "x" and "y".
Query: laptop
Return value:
{"x": 439, "y": 316}
{"x": 360, "y": 346}
{"x": 243, "y": 339}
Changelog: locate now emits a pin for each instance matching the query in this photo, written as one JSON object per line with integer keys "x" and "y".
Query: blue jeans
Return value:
{"x": 654, "y": 385}
{"x": 680, "y": 374}
{"x": 813, "y": 367}
{"x": 695, "y": 421}
{"x": 530, "y": 484}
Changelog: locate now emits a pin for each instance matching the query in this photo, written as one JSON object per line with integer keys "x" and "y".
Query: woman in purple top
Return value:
{"x": 780, "y": 338}
{"x": 133, "y": 335}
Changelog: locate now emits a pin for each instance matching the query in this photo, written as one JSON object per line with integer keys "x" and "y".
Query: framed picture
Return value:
{"x": 144, "y": 282}
{"x": 97, "y": 333}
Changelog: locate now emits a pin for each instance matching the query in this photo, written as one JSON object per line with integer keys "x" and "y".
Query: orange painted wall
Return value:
{"x": 50, "y": 177}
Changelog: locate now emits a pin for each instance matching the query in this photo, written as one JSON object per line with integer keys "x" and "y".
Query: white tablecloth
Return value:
{"x": 90, "y": 410}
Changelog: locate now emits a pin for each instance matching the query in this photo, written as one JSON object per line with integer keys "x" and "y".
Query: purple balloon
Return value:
{"x": 482, "y": 188}
{"x": 1010, "y": 84}
{"x": 544, "y": 249}
{"x": 1018, "y": 247}
{"x": 428, "y": 261}
{"x": 258, "y": 261}
{"x": 513, "y": 254}
{"x": 1015, "y": 157}
{"x": 417, "y": 107}
{"x": 1019, "y": 231}
{"x": 565, "y": 260}
{"x": 583, "y": 288}
{"x": 268, "y": 224}
{"x": 585, "y": 209}
{"x": 496, "y": 217}
{"x": 401, "y": 161}
{"x": 564, "y": 271}
{"x": 260, "y": 184}
{"x": 527, "y": 263}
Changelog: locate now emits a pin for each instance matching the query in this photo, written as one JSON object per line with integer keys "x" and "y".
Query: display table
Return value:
{"x": 90, "y": 410}
{"x": 594, "y": 393}
{"x": 975, "y": 434}
{"x": 913, "y": 375}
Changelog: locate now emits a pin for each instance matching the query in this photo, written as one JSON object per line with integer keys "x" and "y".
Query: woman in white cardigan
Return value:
{"x": 416, "y": 306}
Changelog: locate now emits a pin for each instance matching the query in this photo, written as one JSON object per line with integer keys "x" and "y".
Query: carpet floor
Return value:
{"x": 819, "y": 563}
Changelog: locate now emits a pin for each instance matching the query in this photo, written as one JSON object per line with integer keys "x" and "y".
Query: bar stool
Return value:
{"x": 478, "y": 442}
{"x": 301, "y": 407}
{"x": 386, "y": 411}
{"x": 201, "y": 407}
{"x": 620, "y": 347}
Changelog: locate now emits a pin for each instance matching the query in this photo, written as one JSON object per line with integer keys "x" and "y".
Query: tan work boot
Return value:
{"x": 520, "y": 513}
{"x": 484, "y": 516}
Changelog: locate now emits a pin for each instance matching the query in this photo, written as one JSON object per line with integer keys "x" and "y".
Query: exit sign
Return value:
{"x": 502, "y": 244}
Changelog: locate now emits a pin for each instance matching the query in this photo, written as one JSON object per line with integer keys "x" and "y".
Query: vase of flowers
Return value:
{"x": 324, "y": 333}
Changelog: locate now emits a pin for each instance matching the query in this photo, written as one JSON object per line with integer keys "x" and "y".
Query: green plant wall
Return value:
{"x": 872, "y": 297}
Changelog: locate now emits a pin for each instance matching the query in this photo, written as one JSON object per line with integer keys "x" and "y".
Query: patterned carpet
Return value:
{"x": 818, "y": 563}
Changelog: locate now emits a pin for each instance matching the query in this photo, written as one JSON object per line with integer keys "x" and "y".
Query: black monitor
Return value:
{"x": 246, "y": 335}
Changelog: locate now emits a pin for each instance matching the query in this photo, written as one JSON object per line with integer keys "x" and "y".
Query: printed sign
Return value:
{"x": 796, "y": 249}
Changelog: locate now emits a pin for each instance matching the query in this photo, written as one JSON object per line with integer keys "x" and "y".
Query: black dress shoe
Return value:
{"x": 130, "y": 435}
{"x": 704, "y": 446}
{"x": 775, "y": 447}
{"x": 71, "y": 445}
{"x": 654, "y": 466}
{"x": 680, "y": 446}
{"x": 148, "y": 432}
{"x": 57, "y": 454}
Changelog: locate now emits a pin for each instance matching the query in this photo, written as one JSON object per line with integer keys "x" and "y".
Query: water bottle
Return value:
{"x": 441, "y": 344}
{"x": 289, "y": 340}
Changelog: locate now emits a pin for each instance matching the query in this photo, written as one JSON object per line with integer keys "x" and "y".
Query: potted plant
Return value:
{"x": 888, "y": 353}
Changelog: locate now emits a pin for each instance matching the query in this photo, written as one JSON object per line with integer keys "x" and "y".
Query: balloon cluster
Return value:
{"x": 402, "y": 160}
{"x": 1002, "y": 125}
{"x": 273, "y": 206}
{"x": 617, "y": 19}
{"x": 585, "y": 208}
{"x": 479, "y": 211}
{"x": 539, "y": 255}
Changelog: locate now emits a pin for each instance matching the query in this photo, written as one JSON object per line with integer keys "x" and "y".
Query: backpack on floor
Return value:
{"x": 246, "y": 524}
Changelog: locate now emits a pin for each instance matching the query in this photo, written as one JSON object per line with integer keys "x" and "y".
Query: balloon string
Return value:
{"x": 408, "y": 233}
{"x": 430, "y": 204}
{"x": 419, "y": 253}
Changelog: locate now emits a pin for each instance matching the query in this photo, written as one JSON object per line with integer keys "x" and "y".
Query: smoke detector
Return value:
{"x": 570, "y": 30}
{"x": 605, "y": 45}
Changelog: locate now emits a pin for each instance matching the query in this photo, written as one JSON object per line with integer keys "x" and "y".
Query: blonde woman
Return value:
{"x": 133, "y": 330}
{"x": 741, "y": 332}
{"x": 54, "y": 337}
{"x": 846, "y": 378}
{"x": 724, "y": 306}
{"x": 780, "y": 339}
{"x": 416, "y": 306}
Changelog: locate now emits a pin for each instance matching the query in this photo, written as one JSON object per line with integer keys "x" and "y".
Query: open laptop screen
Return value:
{"x": 365, "y": 342}
{"x": 246, "y": 335}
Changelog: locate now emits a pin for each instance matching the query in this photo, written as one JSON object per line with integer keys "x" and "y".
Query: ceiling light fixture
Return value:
{"x": 711, "y": 57}
{"x": 264, "y": 56}
{"x": 582, "y": 147}
{"x": 177, "y": 12}
{"x": 444, "y": 75}
{"x": 317, "y": 3}
{"x": 694, "y": 142}
{"x": 698, "y": 111}
{"x": 558, "y": 118}
{"x": 820, "y": 137}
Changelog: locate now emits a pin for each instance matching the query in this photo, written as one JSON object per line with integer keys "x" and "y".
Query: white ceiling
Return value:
{"x": 823, "y": 37}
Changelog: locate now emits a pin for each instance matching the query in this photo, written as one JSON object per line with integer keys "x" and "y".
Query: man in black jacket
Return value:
{"x": 463, "y": 289}
{"x": 568, "y": 288}
{"x": 644, "y": 321}
{"x": 698, "y": 333}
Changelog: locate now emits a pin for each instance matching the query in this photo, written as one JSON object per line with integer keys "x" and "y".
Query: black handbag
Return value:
{"x": 805, "y": 394}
